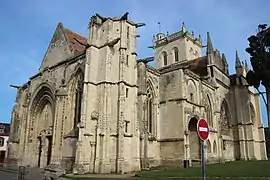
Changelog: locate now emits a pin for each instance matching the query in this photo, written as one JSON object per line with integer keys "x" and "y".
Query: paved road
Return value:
{"x": 7, "y": 175}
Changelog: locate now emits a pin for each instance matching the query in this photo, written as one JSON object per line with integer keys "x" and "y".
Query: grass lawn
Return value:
{"x": 235, "y": 170}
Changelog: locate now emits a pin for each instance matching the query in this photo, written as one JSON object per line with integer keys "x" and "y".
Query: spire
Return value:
{"x": 159, "y": 27}
{"x": 153, "y": 39}
{"x": 224, "y": 60}
{"x": 209, "y": 45}
{"x": 223, "y": 57}
{"x": 200, "y": 37}
{"x": 184, "y": 29}
{"x": 237, "y": 61}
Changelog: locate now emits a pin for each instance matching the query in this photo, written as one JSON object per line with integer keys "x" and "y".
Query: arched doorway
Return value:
{"x": 41, "y": 124}
{"x": 44, "y": 139}
{"x": 194, "y": 141}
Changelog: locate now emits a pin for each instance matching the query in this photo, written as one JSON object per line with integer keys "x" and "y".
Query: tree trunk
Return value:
{"x": 268, "y": 107}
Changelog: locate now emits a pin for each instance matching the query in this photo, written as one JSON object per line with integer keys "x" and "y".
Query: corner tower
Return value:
{"x": 176, "y": 47}
{"x": 109, "y": 112}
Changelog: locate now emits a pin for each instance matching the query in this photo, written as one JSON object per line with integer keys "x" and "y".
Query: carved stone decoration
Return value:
{"x": 207, "y": 108}
{"x": 95, "y": 115}
{"x": 224, "y": 119}
{"x": 252, "y": 112}
{"x": 49, "y": 131}
{"x": 58, "y": 43}
{"x": 30, "y": 135}
{"x": 109, "y": 60}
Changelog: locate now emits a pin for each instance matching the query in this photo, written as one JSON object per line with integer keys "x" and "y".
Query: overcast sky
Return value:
{"x": 26, "y": 28}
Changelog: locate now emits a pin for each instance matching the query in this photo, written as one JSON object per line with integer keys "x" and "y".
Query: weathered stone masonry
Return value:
{"x": 95, "y": 107}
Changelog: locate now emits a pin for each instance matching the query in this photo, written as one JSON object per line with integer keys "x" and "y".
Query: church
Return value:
{"x": 94, "y": 107}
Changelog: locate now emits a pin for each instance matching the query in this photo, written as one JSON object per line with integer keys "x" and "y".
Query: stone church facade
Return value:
{"x": 94, "y": 107}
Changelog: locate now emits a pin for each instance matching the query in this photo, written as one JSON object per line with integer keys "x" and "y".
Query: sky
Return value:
{"x": 26, "y": 28}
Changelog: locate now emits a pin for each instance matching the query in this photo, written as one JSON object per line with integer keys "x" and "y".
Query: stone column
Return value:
{"x": 60, "y": 117}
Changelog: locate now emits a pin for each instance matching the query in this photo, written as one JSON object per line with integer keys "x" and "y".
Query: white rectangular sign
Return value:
{"x": 203, "y": 129}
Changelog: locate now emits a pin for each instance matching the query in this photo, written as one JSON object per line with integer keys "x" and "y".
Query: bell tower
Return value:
{"x": 110, "y": 93}
{"x": 176, "y": 47}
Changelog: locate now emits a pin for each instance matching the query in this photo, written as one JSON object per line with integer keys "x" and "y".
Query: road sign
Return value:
{"x": 203, "y": 133}
{"x": 203, "y": 129}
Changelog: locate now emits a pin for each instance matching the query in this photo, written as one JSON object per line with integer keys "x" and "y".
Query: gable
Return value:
{"x": 62, "y": 46}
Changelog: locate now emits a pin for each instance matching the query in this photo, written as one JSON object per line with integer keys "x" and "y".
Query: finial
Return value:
{"x": 209, "y": 46}
{"x": 159, "y": 27}
{"x": 154, "y": 39}
{"x": 200, "y": 37}
{"x": 184, "y": 29}
{"x": 237, "y": 60}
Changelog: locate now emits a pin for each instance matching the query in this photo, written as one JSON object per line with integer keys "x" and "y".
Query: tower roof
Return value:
{"x": 237, "y": 60}
{"x": 209, "y": 46}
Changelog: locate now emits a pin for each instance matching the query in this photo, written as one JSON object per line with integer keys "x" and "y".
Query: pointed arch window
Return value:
{"x": 215, "y": 147}
{"x": 78, "y": 98}
{"x": 191, "y": 53}
{"x": 150, "y": 109}
{"x": 224, "y": 118}
{"x": 208, "y": 110}
{"x": 196, "y": 54}
{"x": 191, "y": 96}
{"x": 165, "y": 58}
{"x": 128, "y": 32}
{"x": 176, "y": 54}
{"x": 208, "y": 146}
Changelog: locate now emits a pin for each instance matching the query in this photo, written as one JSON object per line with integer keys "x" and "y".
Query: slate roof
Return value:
{"x": 199, "y": 66}
{"x": 74, "y": 45}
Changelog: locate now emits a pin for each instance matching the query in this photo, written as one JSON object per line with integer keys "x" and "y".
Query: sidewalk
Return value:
{"x": 101, "y": 176}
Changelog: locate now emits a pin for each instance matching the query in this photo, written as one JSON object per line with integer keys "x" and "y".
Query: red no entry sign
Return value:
{"x": 203, "y": 129}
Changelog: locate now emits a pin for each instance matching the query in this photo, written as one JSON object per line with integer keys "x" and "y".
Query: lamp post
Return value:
{"x": 259, "y": 50}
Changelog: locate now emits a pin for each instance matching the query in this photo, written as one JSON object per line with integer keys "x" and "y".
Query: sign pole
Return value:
{"x": 203, "y": 162}
{"x": 203, "y": 133}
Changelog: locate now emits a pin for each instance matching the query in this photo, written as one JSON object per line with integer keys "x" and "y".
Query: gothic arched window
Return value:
{"x": 176, "y": 54}
{"x": 208, "y": 146}
{"x": 208, "y": 110}
{"x": 150, "y": 108}
{"x": 191, "y": 92}
{"x": 78, "y": 98}
{"x": 191, "y": 53}
{"x": 196, "y": 54}
{"x": 224, "y": 118}
{"x": 165, "y": 58}
{"x": 215, "y": 147}
{"x": 128, "y": 32}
